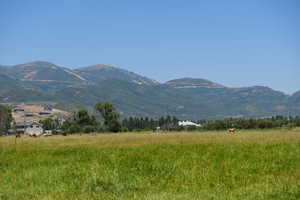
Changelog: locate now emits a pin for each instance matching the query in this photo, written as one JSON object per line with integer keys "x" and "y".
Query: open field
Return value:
{"x": 207, "y": 165}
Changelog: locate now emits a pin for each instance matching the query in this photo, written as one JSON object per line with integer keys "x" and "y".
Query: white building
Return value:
{"x": 188, "y": 123}
{"x": 30, "y": 128}
{"x": 34, "y": 129}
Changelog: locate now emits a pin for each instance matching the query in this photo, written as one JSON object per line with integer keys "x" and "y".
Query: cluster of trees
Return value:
{"x": 171, "y": 123}
{"x": 5, "y": 119}
{"x": 265, "y": 123}
{"x": 140, "y": 123}
{"x": 50, "y": 124}
{"x": 83, "y": 122}
{"x": 110, "y": 116}
{"x": 80, "y": 122}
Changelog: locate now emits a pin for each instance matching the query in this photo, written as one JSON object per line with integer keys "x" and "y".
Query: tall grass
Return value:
{"x": 213, "y": 165}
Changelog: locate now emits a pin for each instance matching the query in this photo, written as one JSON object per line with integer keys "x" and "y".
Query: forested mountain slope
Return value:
{"x": 136, "y": 95}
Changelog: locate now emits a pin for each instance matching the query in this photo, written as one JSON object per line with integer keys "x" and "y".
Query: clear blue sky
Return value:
{"x": 233, "y": 42}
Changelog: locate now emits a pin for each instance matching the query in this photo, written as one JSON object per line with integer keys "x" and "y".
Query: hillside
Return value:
{"x": 44, "y": 75}
{"x": 42, "y": 71}
{"x": 294, "y": 104}
{"x": 193, "y": 83}
{"x": 96, "y": 73}
{"x": 12, "y": 90}
{"x": 136, "y": 95}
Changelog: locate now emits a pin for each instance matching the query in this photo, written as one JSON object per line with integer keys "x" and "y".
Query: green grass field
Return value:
{"x": 211, "y": 165}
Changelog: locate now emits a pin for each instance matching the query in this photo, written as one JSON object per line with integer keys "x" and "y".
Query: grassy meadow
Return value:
{"x": 153, "y": 166}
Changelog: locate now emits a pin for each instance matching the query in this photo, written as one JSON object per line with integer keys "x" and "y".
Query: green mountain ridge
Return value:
{"x": 42, "y": 71}
{"x": 12, "y": 90}
{"x": 135, "y": 95}
{"x": 193, "y": 83}
{"x": 99, "y": 72}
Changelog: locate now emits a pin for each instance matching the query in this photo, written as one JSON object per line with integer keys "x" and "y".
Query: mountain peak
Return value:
{"x": 42, "y": 71}
{"x": 38, "y": 63}
{"x": 188, "y": 82}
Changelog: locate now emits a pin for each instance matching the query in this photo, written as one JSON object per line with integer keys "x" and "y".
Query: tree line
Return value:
{"x": 83, "y": 122}
{"x": 171, "y": 123}
{"x": 260, "y": 123}
{"x": 145, "y": 123}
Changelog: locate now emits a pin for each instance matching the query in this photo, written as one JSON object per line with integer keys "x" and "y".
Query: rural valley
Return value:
{"x": 149, "y": 100}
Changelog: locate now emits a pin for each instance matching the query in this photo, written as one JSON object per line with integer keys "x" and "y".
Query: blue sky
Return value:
{"x": 233, "y": 42}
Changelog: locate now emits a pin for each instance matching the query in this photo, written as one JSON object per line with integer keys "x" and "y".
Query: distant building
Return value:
{"x": 34, "y": 128}
{"x": 48, "y": 108}
{"x": 44, "y": 113}
{"x": 188, "y": 123}
{"x": 29, "y": 115}
{"x": 48, "y": 131}
{"x": 16, "y": 110}
{"x": 29, "y": 128}
{"x": 20, "y": 127}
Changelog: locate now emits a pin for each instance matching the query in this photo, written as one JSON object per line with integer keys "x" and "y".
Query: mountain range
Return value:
{"x": 136, "y": 95}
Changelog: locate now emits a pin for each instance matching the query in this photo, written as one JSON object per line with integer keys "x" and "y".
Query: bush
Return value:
{"x": 191, "y": 128}
{"x": 101, "y": 129}
{"x": 74, "y": 128}
{"x": 124, "y": 129}
{"x": 88, "y": 129}
{"x": 114, "y": 126}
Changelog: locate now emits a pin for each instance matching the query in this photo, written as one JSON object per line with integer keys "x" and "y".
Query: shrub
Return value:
{"x": 74, "y": 128}
{"x": 89, "y": 129}
{"x": 124, "y": 129}
{"x": 100, "y": 129}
